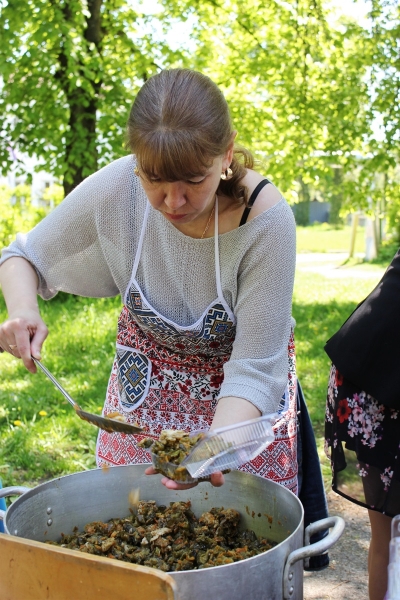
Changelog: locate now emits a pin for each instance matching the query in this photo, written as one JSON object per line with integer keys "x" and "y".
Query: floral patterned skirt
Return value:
{"x": 362, "y": 441}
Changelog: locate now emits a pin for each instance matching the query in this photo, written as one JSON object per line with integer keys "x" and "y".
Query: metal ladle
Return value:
{"x": 110, "y": 425}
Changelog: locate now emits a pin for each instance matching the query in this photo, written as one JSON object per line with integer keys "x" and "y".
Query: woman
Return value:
{"x": 362, "y": 428}
{"x": 206, "y": 277}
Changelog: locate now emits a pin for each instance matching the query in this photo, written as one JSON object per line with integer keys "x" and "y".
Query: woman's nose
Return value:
{"x": 174, "y": 196}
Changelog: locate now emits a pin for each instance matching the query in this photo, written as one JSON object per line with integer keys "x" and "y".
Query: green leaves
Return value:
{"x": 306, "y": 90}
{"x": 69, "y": 68}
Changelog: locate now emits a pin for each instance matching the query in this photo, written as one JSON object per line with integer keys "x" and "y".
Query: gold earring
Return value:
{"x": 136, "y": 171}
{"x": 225, "y": 175}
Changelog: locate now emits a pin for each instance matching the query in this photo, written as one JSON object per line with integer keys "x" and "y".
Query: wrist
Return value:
{"x": 16, "y": 311}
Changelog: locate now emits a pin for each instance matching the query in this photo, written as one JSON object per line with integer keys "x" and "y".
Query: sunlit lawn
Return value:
{"x": 326, "y": 238}
{"x": 40, "y": 435}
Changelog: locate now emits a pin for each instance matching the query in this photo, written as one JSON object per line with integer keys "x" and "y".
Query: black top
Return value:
{"x": 366, "y": 349}
{"x": 252, "y": 199}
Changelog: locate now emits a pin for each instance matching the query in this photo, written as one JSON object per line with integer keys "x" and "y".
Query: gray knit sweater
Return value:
{"x": 87, "y": 246}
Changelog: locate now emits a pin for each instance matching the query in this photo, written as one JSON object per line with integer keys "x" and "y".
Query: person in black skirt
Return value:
{"x": 362, "y": 423}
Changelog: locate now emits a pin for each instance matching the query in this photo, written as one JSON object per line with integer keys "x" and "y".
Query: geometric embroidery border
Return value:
{"x": 134, "y": 370}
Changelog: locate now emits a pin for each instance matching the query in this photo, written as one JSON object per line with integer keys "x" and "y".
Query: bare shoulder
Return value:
{"x": 267, "y": 197}
{"x": 230, "y": 214}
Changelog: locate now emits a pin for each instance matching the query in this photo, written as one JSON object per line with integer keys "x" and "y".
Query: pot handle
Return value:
{"x": 11, "y": 491}
{"x": 311, "y": 549}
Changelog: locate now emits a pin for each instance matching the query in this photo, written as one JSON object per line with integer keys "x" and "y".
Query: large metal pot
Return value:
{"x": 272, "y": 511}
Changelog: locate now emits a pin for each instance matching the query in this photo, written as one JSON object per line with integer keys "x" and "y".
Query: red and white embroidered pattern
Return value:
{"x": 213, "y": 334}
{"x": 279, "y": 461}
{"x": 182, "y": 395}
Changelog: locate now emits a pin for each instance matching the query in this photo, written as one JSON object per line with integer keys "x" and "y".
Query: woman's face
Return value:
{"x": 183, "y": 202}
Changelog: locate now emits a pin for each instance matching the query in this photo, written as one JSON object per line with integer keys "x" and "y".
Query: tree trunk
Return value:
{"x": 355, "y": 220}
{"x": 303, "y": 207}
{"x": 81, "y": 140}
{"x": 82, "y": 129}
{"x": 337, "y": 197}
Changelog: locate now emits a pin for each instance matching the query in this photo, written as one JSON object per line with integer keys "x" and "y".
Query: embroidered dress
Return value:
{"x": 166, "y": 376}
{"x": 362, "y": 439}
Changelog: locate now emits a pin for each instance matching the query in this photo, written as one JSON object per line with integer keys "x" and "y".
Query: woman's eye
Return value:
{"x": 155, "y": 180}
{"x": 196, "y": 182}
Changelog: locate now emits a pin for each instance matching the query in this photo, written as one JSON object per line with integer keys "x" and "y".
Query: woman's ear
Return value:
{"x": 229, "y": 151}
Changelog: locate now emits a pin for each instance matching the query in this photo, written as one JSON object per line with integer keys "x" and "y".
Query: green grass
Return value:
{"x": 322, "y": 237}
{"x": 325, "y": 238}
{"x": 319, "y": 310}
{"x": 42, "y": 438}
{"x": 40, "y": 435}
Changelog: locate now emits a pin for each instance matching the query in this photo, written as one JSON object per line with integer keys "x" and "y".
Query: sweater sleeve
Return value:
{"x": 258, "y": 367}
{"x": 69, "y": 248}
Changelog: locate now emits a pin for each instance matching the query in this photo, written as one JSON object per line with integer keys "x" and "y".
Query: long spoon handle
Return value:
{"x": 56, "y": 383}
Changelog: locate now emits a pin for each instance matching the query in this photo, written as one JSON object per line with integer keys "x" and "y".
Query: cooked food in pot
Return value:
{"x": 169, "y": 538}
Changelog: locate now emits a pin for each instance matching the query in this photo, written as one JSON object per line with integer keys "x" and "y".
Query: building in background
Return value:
{"x": 311, "y": 212}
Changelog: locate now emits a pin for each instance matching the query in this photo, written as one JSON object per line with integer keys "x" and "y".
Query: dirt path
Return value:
{"x": 333, "y": 266}
{"x": 346, "y": 577}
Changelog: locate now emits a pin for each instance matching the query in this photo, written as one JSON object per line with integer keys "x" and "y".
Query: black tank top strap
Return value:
{"x": 252, "y": 199}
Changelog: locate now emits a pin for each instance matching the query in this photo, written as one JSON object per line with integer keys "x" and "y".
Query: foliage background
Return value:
{"x": 313, "y": 93}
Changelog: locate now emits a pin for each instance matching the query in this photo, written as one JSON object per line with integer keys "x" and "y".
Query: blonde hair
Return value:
{"x": 178, "y": 124}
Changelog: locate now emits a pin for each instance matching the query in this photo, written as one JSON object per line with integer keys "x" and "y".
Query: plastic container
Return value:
{"x": 222, "y": 449}
{"x": 230, "y": 447}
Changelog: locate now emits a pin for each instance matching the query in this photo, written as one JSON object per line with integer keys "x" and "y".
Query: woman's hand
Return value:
{"x": 216, "y": 479}
{"x": 22, "y": 335}
{"x": 24, "y": 332}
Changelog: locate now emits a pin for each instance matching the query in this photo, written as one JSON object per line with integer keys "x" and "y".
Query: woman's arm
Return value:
{"x": 85, "y": 245}
{"x": 24, "y": 327}
{"x": 231, "y": 410}
{"x": 257, "y": 369}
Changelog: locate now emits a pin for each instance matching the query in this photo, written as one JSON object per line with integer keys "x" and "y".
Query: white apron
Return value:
{"x": 166, "y": 376}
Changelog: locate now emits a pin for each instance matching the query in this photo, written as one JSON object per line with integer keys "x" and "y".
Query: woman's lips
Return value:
{"x": 174, "y": 217}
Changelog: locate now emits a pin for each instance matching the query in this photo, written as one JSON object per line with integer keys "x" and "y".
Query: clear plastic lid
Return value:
{"x": 230, "y": 447}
